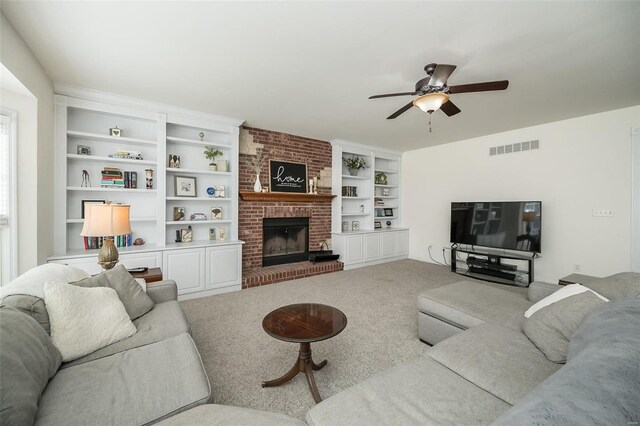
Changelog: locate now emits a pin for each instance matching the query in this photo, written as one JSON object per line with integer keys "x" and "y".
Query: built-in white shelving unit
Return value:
{"x": 370, "y": 198}
{"x": 83, "y": 118}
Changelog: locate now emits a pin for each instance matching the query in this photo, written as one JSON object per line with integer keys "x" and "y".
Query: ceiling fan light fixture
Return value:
{"x": 431, "y": 101}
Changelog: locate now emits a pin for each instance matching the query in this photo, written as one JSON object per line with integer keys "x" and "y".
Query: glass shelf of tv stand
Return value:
{"x": 492, "y": 271}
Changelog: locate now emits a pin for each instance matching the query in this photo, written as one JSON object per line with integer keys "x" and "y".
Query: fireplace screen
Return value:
{"x": 285, "y": 240}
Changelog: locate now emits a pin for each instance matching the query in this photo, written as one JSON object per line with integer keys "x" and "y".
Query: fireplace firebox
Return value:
{"x": 285, "y": 240}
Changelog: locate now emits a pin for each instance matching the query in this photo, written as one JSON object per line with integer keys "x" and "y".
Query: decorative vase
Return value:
{"x": 213, "y": 167}
{"x": 149, "y": 178}
{"x": 222, "y": 165}
{"x": 353, "y": 172}
{"x": 257, "y": 187}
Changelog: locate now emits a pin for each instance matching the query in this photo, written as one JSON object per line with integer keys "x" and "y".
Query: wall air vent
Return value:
{"x": 516, "y": 147}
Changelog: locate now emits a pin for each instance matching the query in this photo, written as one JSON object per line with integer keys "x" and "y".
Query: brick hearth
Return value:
{"x": 281, "y": 146}
{"x": 291, "y": 271}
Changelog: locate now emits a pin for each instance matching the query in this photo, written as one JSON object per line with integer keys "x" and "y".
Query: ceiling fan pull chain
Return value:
{"x": 430, "y": 122}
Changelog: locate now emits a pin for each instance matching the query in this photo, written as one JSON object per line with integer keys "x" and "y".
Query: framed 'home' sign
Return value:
{"x": 287, "y": 177}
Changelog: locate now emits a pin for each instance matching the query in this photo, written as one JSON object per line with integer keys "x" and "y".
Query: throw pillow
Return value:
{"x": 564, "y": 292}
{"x": 551, "y": 327}
{"x": 32, "y": 281}
{"x": 28, "y": 360}
{"x": 84, "y": 320}
{"x": 30, "y": 305}
{"x": 134, "y": 299}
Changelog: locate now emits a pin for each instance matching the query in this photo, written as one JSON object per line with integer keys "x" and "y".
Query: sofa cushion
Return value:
{"x": 600, "y": 383}
{"x": 135, "y": 387}
{"x": 226, "y": 415}
{"x": 466, "y": 304}
{"x": 551, "y": 327}
{"x": 132, "y": 296}
{"x": 32, "y": 306}
{"x": 28, "y": 360}
{"x": 496, "y": 358}
{"x": 84, "y": 320}
{"x": 562, "y": 293}
{"x": 617, "y": 287}
{"x": 417, "y": 392}
{"x": 165, "y": 320}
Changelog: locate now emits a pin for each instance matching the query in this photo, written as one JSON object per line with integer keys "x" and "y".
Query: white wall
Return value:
{"x": 582, "y": 164}
{"x": 35, "y": 199}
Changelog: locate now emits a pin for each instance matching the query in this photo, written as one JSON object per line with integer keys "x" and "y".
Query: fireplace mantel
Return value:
{"x": 285, "y": 197}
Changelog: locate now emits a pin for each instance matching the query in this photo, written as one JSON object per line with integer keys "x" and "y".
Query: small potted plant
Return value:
{"x": 211, "y": 155}
{"x": 354, "y": 164}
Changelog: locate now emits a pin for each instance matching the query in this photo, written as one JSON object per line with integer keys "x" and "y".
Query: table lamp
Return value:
{"x": 106, "y": 220}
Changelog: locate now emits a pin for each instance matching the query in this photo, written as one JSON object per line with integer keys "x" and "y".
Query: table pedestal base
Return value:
{"x": 304, "y": 364}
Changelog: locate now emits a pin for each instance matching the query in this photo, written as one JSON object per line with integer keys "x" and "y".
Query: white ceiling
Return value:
{"x": 307, "y": 68}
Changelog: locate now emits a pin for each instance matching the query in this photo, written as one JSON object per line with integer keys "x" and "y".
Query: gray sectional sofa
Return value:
{"x": 483, "y": 369}
{"x": 153, "y": 374}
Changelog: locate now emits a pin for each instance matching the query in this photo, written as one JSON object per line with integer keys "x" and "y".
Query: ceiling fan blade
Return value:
{"x": 480, "y": 87}
{"x": 388, "y": 95}
{"x": 441, "y": 74}
{"x": 400, "y": 111}
{"x": 450, "y": 108}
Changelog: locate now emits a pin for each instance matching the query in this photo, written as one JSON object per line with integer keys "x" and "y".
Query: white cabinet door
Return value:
{"x": 224, "y": 266}
{"x": 136, "y": 260}
{"x": 186, "y": 267}
{"x": 402, "y": 243}
{"x": 387, "y": 245}
{"x": 371, "y": 247}
{"x": 353, "y": 249}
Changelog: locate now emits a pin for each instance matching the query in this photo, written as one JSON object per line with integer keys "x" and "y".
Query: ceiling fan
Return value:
{"x": 433, "y": 91}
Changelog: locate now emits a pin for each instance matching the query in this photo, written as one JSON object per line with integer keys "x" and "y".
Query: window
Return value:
{"x": 8, "y": 217}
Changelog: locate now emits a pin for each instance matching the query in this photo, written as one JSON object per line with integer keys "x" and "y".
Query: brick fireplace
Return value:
{"x": 281, "y": 146}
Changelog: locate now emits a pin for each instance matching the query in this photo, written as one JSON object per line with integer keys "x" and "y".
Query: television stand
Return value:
{"x": 511, "y": 269}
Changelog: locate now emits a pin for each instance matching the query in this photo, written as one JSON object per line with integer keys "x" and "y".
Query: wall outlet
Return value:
{"x": 576, "y": 268}
{"x": 603, "y": 213}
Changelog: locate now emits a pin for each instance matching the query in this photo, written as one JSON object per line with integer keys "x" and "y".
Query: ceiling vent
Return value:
{"x": 515, "y": 147}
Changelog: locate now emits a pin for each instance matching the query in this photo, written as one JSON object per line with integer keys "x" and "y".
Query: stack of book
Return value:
{"x": 97, "y": 242}
{"x": 112, "y": 178}
{"x": 349, "y": 191}
{"x": 131, "y": 155}
{"x": 379, "y": 202}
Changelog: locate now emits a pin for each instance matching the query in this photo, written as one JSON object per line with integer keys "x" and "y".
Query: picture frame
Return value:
{"x": 174, "y": 161}
{"x": 355, "y": 225}
{"x": 377, "y": 224}
{"x": 184, "y": 186}
{"x": 388, "y": 212}
{"x": 212, "y": 234}
{"x": 186, "y": 235}
{"x": 345, "y": 226}
{"x": 288, "y": 177}
{"x": 179, "y": 213}
{"x": 219, "y": 191}
{"x": 216, "y": 213}
{"x": 84, "y": 202}
{"x": 83, "y": 150}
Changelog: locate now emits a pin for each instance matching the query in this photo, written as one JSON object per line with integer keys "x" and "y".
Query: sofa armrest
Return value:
{"x": 162, "y": 291}
{"x": 538, "y": 290}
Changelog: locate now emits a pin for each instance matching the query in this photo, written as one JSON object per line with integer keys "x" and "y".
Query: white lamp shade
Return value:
{"x": 431, "y": 101}
{"x": 106, "y": 220}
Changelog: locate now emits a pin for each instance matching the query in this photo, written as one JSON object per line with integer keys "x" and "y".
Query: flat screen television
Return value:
{"x": 509, "y": 225}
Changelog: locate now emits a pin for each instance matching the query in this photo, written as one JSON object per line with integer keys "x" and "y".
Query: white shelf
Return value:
{"x": 377, "y": 185}
{"x": 389, "y": 172}
{"x": 354, "y": 214}
{"x": 211, "y": 199}
{"x": 356, "y": 198}
{"x": 98, "y": 189}
{"x": 197, "y": 171}
{"x": 103, "y": 159}
{"x": 356, "y": 177}
{"x": 385, "y": 197}
{"x": 191, "y": 222}
{"x": 385, "y": 217}
{"x": 133, "y": 219}
{"x": 196, "y": 142}
{"x": 107, "y": 138}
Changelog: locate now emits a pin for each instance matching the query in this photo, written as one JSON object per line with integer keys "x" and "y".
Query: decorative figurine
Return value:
{"x": 86, "y": 181}
{"x": 210, "y": 191}
{"x": 115, "y": 132}
{"x": 388, "y": 224}
{"x": 138, "y": 242}
{"x": 201, "y": 134}
{"x": 149, "y": 178}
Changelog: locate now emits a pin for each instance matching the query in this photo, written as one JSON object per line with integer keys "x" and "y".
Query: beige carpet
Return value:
{"x": 380, "y": 305}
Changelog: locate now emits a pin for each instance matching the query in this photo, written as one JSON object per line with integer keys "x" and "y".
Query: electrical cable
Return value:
{"x": 431, "y": 257}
